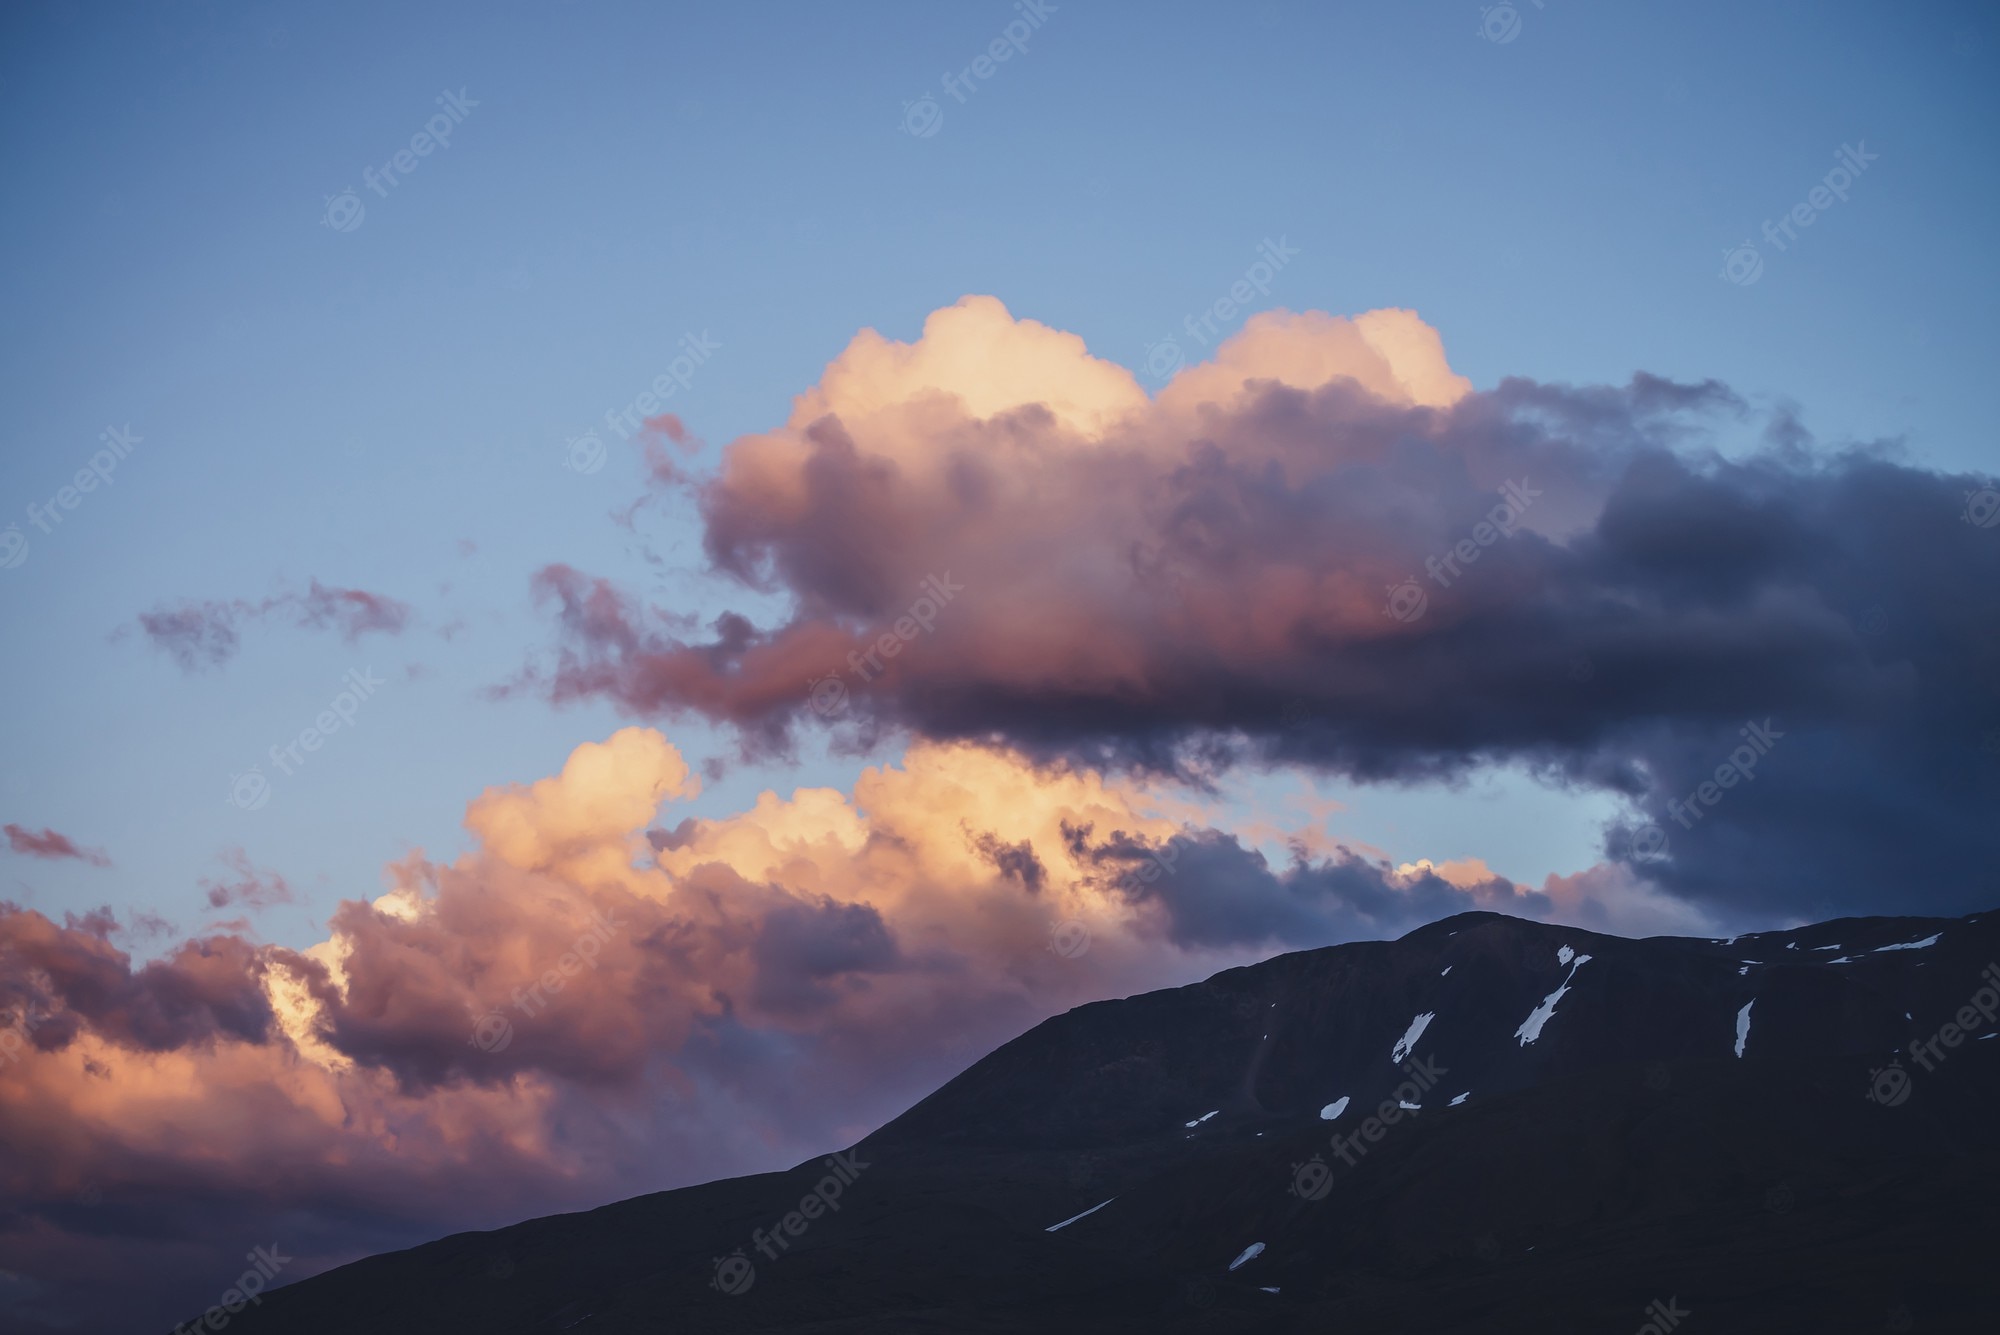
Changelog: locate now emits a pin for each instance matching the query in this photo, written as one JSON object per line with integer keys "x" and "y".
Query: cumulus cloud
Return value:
{"x": 48, "y": 843}
{"x": 1324, "y": 548}
{"x": 585, "y": 1005}
{"x": 206, "y": 634}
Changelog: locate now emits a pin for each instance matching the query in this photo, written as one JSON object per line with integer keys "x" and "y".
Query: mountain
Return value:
{"x": 1782, "y": 1131}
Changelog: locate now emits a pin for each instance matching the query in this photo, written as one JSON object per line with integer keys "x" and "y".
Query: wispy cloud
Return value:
{"x": 53, "y": 845}
{"x": 205, "y": 634}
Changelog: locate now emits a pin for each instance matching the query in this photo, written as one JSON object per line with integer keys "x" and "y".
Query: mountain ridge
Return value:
{"x": 1714, "y": 1119}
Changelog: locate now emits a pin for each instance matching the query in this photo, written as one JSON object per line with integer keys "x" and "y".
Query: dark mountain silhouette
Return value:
{"x": 1785, "y": 1131}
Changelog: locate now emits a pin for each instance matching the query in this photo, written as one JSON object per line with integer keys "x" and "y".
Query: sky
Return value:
{"x": 570, "y": 463}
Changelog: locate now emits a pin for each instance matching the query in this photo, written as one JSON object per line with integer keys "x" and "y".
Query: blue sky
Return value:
{"x": 352, "y": 405}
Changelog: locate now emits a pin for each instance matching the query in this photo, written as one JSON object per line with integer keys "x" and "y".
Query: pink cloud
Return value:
{"x": 206, "y": 634}
{"x": 50, "y": 844}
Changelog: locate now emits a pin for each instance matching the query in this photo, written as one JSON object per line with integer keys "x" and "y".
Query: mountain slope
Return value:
{"x": 1667, "y": 1130}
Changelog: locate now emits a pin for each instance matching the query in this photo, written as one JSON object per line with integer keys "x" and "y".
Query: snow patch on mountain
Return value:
{"x": 1531, "y": 1028}
{"x": 1411, "y": 1035}
{"x": 1073, "y": 1218}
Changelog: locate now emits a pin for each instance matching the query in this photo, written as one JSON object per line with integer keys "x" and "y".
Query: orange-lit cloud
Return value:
{"x": 599, "y": 998}
{"x": 1322, "y": 547}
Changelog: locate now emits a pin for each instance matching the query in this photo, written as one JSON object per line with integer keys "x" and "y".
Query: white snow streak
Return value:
{"x": 1250, "y": 1253}
{"x": 1073, "y": 1218}
{"x": 1411, "y": 1035}
{"x": 1531, "y": 1028}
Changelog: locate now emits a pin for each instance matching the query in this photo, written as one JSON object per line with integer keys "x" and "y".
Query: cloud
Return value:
{"x": 251, "y": 887}
{"x": 1323, "y": 548}
{"x": 205, "y": 634}
{"x": 50, "y": 844}
{"x": 582, "y": 1005}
